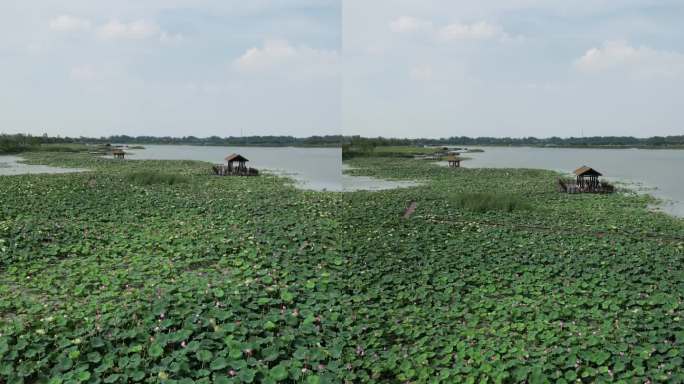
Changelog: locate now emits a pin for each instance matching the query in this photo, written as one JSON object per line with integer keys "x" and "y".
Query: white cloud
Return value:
{"x": 170, "y": 38}
{"x": 83, "y": 73}
{"x": 280, "y": 56}
{"x": 135, "y": 30}
{"x": 205, "y": 88}
{"x": 36, "y": 48}
{"x": 67, "y": 23}
{"x": 421, "y": 73}
{"x": 272, "y": 53}
{"x": 621, "y": 56}
{"x": 115, "y": 29}
{"x": 406, "y": 24}
{"x": 481, "y": 30}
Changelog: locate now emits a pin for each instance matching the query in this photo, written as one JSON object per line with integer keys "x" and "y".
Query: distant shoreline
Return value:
{"x": 238, "y": 145}
{"x": 80, "y": 147}
{"x": 564, "y": 146}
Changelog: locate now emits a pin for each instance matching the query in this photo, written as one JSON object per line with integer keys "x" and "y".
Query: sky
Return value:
{"x": 393, "y": 68}
{"x": 440, "y": 68}
{"x": 170, "y": 67}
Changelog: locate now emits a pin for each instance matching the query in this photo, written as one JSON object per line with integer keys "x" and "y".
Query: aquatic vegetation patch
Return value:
{"x": 485, "y": 202}
{"x": 152, "y": 177}
{"x": 249, "y": 280}
{"x": 12, "y": 145}
{"x": 579, "y": 288}
{"x": 74, "y": 148}
{"x": 203, "y": 281}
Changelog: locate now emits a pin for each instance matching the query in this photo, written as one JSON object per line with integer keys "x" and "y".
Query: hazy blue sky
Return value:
{"x": 513, "y": 67}
{"x": 380, "y": 67}
{"x": 170, "y": 67}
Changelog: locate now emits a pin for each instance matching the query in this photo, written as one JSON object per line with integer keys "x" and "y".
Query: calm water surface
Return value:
{"x": 658, "y": 172}
{"x": 10, "y": 165}
{"x": 312, "y": 168}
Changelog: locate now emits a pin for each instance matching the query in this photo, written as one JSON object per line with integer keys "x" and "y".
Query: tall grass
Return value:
{"x": 151, "y": 178}
{"x": 15, "y": 146}
{"x": 486, "y": 202}
{"x": 74, "y": 148}
{"x": 15, "y": 143}
{"x": 12, "y": 148}
{"x": 349, "y": 152}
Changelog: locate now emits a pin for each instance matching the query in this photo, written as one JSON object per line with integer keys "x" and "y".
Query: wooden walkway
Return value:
{"x": 224, "y": 170}
{"x": 571, "y": 186}
{"x": 410, "y": 210}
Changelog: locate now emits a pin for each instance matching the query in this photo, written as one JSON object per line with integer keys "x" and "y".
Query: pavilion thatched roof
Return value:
{"x": 236, "y": 157}
{"x": 586, "y": 171}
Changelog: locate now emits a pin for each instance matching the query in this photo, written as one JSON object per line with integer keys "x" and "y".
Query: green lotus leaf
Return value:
{"x": 204, "y": 355}
{"x": 278, "y": 373}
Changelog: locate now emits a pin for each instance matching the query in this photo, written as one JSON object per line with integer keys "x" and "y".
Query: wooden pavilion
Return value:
{"x": 587, "y": 180}
{"x": 454, "y": 161}
{"x": 236, "y": 165}
{"x": 118, "y": 153}
{"x": 236, "y": 162}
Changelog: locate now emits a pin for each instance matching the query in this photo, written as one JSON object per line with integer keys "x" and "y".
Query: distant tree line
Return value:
{"x": 19, "y": 143}
{"x": 330, "y": 140}
{"x": 595, "y": 141}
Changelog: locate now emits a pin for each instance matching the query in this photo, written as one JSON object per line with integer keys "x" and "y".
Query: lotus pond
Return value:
{"x": 108, "y": 276}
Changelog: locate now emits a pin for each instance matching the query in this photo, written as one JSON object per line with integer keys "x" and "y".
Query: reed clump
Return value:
{"x": 152, "y": 178}
{"x": 486, "y": 202}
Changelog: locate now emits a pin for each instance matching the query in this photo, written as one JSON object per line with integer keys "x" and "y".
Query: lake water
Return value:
{"x": 658, "y": 172}
{"x": 10, "y": 165}
{"x": 312, "y": 168}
